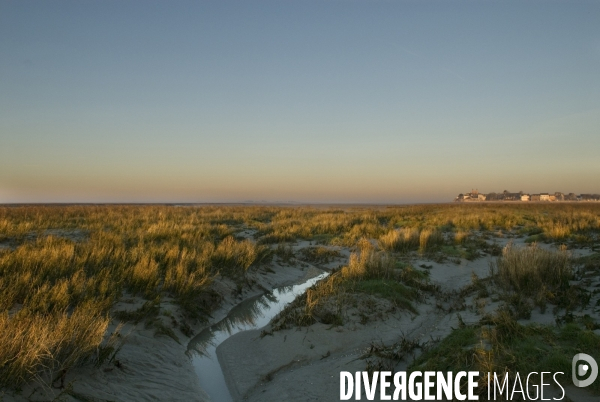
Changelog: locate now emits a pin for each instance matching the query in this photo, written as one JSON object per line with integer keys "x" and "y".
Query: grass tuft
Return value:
{"x": 532, "y": 269}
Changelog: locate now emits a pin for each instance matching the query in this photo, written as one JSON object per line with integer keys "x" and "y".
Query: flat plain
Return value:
{"x": 99, "y": 302}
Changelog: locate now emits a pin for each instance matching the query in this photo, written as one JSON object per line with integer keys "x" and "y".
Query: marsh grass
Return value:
{"x": 319, "y": 254}
{"x": 460, "y": 236}
{"x": 57, "y": 289}
{"x": 532, "y": 276}
{"x": 56, "y": 261}
{"x": 36, "y": 345}
{"x": 231, "y": 256}
{"x": 284, "y": 252}
{"x": 409, "y": 239}
{"x": 400, "y": 294}
{"x": 532, "y": 269}
{"x": 429, "y": 238}
{"x": 401, "y": 240}
{"x": 368, "y": 272}
{"x": 500, "y": 344}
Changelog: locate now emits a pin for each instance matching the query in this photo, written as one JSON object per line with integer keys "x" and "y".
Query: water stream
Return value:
{"x": 252, "y": 313}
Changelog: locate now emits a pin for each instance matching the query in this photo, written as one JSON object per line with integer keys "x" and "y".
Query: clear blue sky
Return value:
{"x": 322, "y": 101}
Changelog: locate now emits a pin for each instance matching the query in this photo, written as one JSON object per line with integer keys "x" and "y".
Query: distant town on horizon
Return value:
{"x": 476, "y": 196}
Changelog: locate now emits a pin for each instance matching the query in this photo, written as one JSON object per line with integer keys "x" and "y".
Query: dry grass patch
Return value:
{"x": 38, "y": 345}
{"x": 531, "y": 269}
{"x": 61, "y": 258}
{"x": 368, "y": 272}
{"x": 532, "y": 276}
{"x": 56, "y": 289}
{"x": 408, "y": 239}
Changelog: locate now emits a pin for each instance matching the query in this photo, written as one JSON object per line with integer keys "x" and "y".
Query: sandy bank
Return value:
{"x": 304, "y": 363}
{"x": 151, "y": 367}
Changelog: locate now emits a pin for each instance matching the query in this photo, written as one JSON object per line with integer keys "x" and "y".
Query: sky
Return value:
{"x": 306, "y": 101}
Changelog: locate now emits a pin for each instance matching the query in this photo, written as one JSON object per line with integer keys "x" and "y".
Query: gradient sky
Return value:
{"x": 311, "y": 101}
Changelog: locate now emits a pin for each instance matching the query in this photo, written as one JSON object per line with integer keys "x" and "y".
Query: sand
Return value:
{"x": 300, "y": 364}
{"x": 154, "y": 368}
{"x": 304, "y": 364}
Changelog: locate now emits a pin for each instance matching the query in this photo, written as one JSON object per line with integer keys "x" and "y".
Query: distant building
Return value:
{"x": 471, "y": 196}
{"x": 475, "y": 196}
{"x": 571, "y": 197}
{"x": 511, "y": 196}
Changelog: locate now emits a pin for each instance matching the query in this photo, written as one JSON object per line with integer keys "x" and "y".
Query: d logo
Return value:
{"x": 589, "y": 367}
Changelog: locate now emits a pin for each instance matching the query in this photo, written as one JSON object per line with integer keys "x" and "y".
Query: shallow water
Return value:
{"x": 252, "y": 313}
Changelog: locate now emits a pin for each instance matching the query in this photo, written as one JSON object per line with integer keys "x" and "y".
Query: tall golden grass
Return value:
{"x": 33, "y": 344}
{"x": 64, "y": 268}
{"x": 58, "y": 262}
{"x": 530, "y": 269}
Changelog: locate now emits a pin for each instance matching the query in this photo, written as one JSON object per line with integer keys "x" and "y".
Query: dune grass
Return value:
{"x": 501, "y": 345}
{"x": 532, "y": 276}
{"x": 62, "y": 268}
{"x": 56, "y": 289}
{"x": 532, "y": 269}
{"x": 319, "y": 254}
{"x": 369, "y": 272}
{"x": 35, "y": 345}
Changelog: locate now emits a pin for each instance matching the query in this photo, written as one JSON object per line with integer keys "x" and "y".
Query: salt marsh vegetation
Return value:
{"x": 65, "y": 269}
